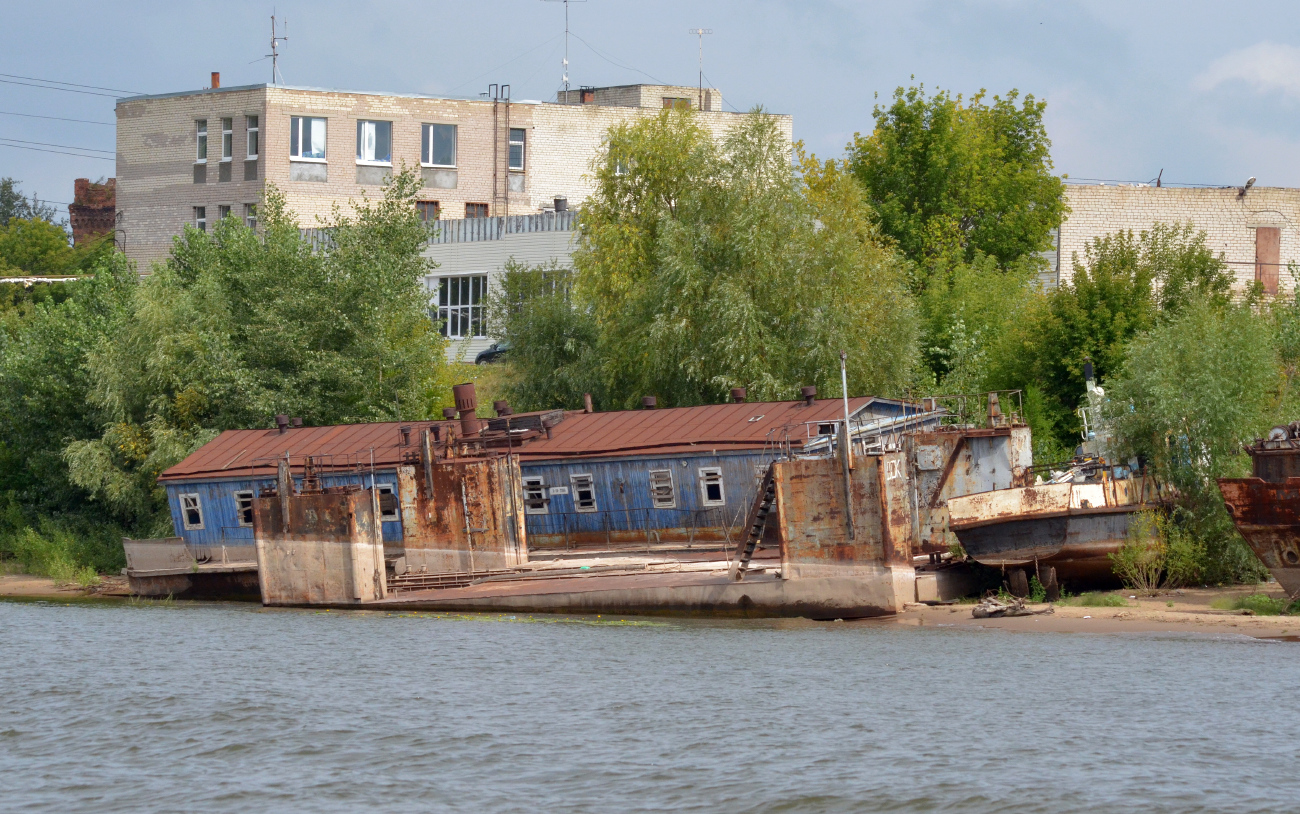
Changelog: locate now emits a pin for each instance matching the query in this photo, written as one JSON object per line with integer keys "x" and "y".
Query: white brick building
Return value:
{"x": 1255, "y": 230}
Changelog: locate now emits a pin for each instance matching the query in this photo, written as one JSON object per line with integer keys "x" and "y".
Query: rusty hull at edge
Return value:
{"x": 328, "y": 553}
{"x": 1267, "y": 514}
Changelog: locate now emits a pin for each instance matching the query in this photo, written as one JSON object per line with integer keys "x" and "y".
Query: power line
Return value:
{"x": 58, "y": 152}
{"x": 503, "y": 64}
{"x": 72, "y": 84}
{"x": 55, "y": 118}
{"x": 615, "y": 64}
{"x": 64, "y": 146}
{"x": 51, "y": 87}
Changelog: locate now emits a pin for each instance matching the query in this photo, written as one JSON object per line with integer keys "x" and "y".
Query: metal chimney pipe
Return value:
{"x": 502, "y": 408}
{"x": 466, "y": 403}
{"x": 216, "y": 79}
{"x": 296, "y": 423}
{"x": 282, "y": 423}
{"x": 648, "y": 402}
{"x": 586, "y": 403}
{"x": 809, "y": 393}
{"x": 738, "y": 395}
{"x": 449, "y": 413}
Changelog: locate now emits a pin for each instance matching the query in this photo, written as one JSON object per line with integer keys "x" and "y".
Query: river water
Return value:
{"x": 230, "y": 708}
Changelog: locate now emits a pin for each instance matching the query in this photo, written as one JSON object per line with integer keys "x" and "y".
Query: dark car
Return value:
{"x": 492, "y": 353}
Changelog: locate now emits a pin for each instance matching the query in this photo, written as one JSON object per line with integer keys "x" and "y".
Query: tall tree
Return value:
{"x": 14, "y": 204}
{"x": 951, "y": 178}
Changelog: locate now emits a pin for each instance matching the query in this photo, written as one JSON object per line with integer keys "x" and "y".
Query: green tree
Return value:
{"x": 707, "y": 266}
{"x": 14, "y": 204}
{"x": 953, "y": 179}
{"x": 35, "y": 247}
{"x": 1190, "y": 392}
{"x": 236, "y": 327}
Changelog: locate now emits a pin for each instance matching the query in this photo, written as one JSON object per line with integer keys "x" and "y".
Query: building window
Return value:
{"x": 677, "y": 102}
{"x": 438, "y": 145}
{"x": 222, "y": 212}
{"x": 387, "y": 502}
{"x": 517, "y": 148}
{"x": 460, "y": 306}
{"x": 584, "y": 494}
{"x": 253, "y": 133}
{"x": 244, "y": 508}
{"x": 201, "y": 130}
{"x": 201, "y": 218}
{"x": 661, "y": 489}
{"x": 227, "y": 139}
{"x": 191, "y": 512}
{"x": 476, "y": 210}
{"x": 250, "y": 216}
{"x": 306, "y": 138}
{"x": 534, "y": 496}
{"x": 711, "y": 486}
{"x": 374, "y": 142}
{"x": 428, "y": 210}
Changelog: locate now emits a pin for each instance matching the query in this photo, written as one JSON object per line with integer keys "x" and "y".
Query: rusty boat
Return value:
{"x": 1266, "y": 506}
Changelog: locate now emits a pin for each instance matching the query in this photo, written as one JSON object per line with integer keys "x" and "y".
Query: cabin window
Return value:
{"x": 244, "y": 508}
{"x": 711, "y": 486}
{"x": 387, "y": 501}
{"x": 584, "y": 494}
{"x": 825, "y": 429}
{"x": 191, "y": 512}
{"x": 661, "y": 489}
{"x": 535, "y": 499}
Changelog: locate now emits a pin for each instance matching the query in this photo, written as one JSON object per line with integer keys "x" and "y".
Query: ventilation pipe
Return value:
{"x": 449, "y": 413}
{"x": 296, "y": 423}
{"x": 406, "y": 435}
{"x": 282, "y": 423}
{"x": 502, "y": 408}
{"x": 809, "y": 393}
{"x": 586, "y": 403}
{"x": 466, "y": 403}
{"x": 738, "y": 395}
{"x": 648, "y": 402}
{"x": 216, "y": 79}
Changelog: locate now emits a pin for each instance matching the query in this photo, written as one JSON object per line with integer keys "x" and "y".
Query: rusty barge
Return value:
{"x": 1266, "y": 506}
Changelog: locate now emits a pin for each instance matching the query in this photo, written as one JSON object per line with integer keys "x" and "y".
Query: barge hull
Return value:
{"x": 1267, "y": 514}
{"x": 1077, "y": 546}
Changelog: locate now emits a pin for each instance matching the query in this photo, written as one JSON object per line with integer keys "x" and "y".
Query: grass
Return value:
{"x": 1258, "y": 604}
{"x": 1095, "y": 599}
{"x": 53, "y": 554}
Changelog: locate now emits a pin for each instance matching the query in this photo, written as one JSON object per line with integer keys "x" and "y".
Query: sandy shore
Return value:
{"x": 25, "y": 586}
{"x": 1184, "y": 611}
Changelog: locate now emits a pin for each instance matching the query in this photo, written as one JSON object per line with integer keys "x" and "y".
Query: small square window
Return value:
{"x": 191, "y": 512}
{"x": 661, "y": 489}
{"x": 517, "y": 148}
{"x": 306, "y": 138}
{"x": 428, "y": 210}
{"x": 711, "y": 486}
{"x": 374, "y": 142}
{"x": 201, "y": 134}
{"x": 438, "y": 145}
{"x": 227, "y": 139}
{"x": 254, "y": 133}
{"x": 535, "y": 499}
{"x": 201, "y": 218}
{"x": 387, "y": 502}
{"x": 244, "y": 508}
{"x": 584, "y": 493}
{"x": 476, "y": 210}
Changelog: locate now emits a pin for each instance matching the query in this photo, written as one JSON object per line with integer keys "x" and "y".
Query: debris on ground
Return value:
{"x": 990, "y": 607}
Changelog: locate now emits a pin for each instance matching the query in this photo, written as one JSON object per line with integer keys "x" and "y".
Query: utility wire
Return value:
{"x": 72, "y": 84}
{"x": 612, "y": 62}
{"x": 59, "y": 152}
{"x": 504, "y": 64}
{"x": 55, "y": 118}
{"x": 51, "y": 87}
{"x": 64, "y": 146}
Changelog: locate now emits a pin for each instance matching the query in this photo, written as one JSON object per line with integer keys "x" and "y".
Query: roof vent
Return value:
{"x": 466, "y": 403}
{"x": 502, "y": 408}
{"x": 738, "y": 395}
{"x": 406, "y": 435}
{"x": 216, "y": 79}
{"x": 282, "y": 423}
{"x": 586, "y": 403}
{"x": 809, "y": 393}
{"x": 648, "y": 402}
{"x": 449, "y": 413}
{"x": 296, "y": 423}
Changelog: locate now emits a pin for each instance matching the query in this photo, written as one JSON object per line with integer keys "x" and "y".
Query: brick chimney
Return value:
{"x": 216, "y": 79}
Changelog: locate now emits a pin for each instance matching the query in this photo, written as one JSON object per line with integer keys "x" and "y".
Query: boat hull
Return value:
{"x": 1268, "y": 516}
{"x": 1078, "y": 546}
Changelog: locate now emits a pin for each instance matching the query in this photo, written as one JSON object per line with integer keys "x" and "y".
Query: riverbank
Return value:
{"x": 26, "y": 586}
{"x": 1190, "y": 610}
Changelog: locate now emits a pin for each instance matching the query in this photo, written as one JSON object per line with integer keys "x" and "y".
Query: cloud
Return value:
{"x": 1264, "y": 66}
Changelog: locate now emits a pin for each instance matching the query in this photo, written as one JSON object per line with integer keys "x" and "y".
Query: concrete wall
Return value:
{"x": 1228, "y": 218}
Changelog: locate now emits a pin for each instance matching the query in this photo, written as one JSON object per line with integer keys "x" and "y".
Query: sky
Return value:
{"x": 1207, "y": 92}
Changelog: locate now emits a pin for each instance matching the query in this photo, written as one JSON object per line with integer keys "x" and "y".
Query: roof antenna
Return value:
{"x": 566, "y": 43}
{"x": 700, "y": 32}
{"x": 275, "y": 54}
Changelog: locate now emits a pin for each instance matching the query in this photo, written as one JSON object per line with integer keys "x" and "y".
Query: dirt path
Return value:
{"x": 1185, "y": 611}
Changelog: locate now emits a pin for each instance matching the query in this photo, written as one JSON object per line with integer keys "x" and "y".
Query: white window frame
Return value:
{"x": 361, "y": 146}
{"x": 523, "y": 146}
{"x": 535, "y": 491}
{"x": 461, "y": 314}
{"x": 228, "y": 138}
{"x": 426, "y": 144}
{"x": 710, "y": 474}
{"x": 295, "y": 127}
{"x": 241, "y": 496}
{"x": 253, "y": 139}
{"x": 250, "y": 215}
{"x": 396, "y": 513}
{"x": 185, "y": 510}
{"x": 222, "y": 211}
{"x": 574, "y": 481}
{"x": 201, "y": 218}
{"x": 656, "y": 498}
{"x": 200, "y": 141}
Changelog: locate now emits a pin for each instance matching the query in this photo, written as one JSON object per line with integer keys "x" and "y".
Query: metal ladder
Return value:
{"x": 755, "y": 524}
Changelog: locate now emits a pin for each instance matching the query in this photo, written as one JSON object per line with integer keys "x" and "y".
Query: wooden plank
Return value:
{"x": 1268, "y": 253}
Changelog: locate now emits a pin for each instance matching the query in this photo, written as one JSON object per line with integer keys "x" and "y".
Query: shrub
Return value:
{"x": 1259, "y": 604}
{"x": 1094, "y": 599}
{"x": 1140, "y": 561}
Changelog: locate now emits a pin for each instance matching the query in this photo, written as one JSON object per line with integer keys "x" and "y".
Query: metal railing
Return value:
{"x": 468, "y": 230}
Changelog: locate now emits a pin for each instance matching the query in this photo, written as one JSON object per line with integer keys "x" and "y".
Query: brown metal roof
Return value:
{"x": 253, "y": 453}
{"x": 747, "y": 425}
